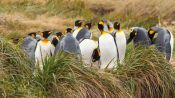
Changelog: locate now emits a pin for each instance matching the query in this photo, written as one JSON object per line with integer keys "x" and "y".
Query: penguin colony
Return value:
{"x": 109, "y": 50}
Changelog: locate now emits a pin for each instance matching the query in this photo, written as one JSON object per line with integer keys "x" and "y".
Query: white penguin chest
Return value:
{"x": 75, "y": 33}
{"x": 87, "y": 47}
{"x": 107, "y": 46}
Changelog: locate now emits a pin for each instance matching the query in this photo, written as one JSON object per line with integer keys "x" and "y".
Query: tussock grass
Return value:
{"x": 144, "y": 74}
{"x": 15, "y": 70}
{"x": 62, "y": 77}
{"x": 147, "y": 74}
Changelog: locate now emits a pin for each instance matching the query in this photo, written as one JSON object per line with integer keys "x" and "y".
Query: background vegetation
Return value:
{"x": 23, "y": 16}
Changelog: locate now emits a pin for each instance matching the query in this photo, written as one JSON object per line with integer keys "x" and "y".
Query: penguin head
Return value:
{"x": 88, "y": 25}
{"x": 32, "y": 34}
{"x": 69, "y": 30}
{"x": 101, "y": 25}
{"x": 133, "y": 32}
{"x": 59, "y": 34}
{"x": 117, "y": 25}
{"x": 78, "y": 23}
{"x": 151, "y": 33}
{"x": 46, "y": 34}
{"x": 55, "y": 41}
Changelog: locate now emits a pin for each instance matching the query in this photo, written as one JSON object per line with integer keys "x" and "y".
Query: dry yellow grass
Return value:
{"x": 129, "y": 12}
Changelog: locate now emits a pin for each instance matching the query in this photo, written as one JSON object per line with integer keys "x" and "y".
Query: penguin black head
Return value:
{"x": 101, "y": 25}
{"x": 33, "y": 34}
{"x": 59, "y": 34}
{"x": 151, "y": 33}
{"x": 46, "y": 34}
{"x": 55, "y": 41}
{"x": 69, "y": 30}
{"x": 78, "y": 23}
{"x": 117, "y": 25}
{"x": 88, "y": 25}
{"x": 133, "y": 32}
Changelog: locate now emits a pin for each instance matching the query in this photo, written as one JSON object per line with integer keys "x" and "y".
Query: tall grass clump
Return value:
{"x": 15, "y": 71}
{"x": 146, "y": 74}
{"x": 63, "y": 76}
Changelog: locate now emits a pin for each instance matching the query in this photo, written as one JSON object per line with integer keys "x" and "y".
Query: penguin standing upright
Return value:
{"x": 69, "y": 44}
{"x": 107, "y": 48}
{"x": 60, "y": 36}
{"x": 29, "y": 45}
{"x": 139, "y": 36}
{"x": 87, "y": 46}
{"x": 120, "y": 39}
{"x": 163, "y": 40}
{"x": 80, "y": 33}
{"x": 78, "y": 27}
{"x": 44, "y": 49}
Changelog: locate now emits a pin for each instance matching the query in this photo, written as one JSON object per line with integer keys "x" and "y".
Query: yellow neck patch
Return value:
{"x": 120, "y": 31}
{"x": 45, "y": 41}
{"x": 104, "y": 33}
{"x": 79, "y": 28}
{"x": 111, "y": 30}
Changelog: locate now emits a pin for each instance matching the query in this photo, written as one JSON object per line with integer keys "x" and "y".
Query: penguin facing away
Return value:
{"x": 70, "y": 44}
{"x": 44, "y": 50}
{"x": 60, "y": 36}
{"x": 120, "y": 39}
{"x": 163, "y": 40}
{"x": 139, "y": 36}
{"x": 107, "y": 48}
{"x": 29, "y": 45}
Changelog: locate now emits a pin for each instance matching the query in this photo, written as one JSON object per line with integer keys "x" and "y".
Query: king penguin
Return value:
{"x": 44, "y": 50}
{"x": 56, "y": 38}
{"x": 87, "y": 46}
{"x": 120, "y": 39}
{"x": 60, "y": 36}
{"x": 107, "y": 48}
{"x": 163, "y": 40}
{"x": 78, "y": 27}
{"x": 139, "y": 36}
{"x": 70, "y": 44}
{"x": 80, "y": 33}
{"x": 29, "y": 45}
